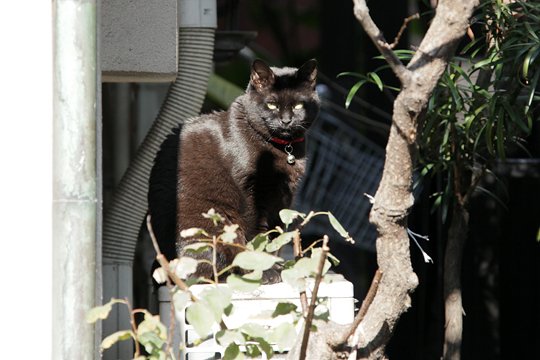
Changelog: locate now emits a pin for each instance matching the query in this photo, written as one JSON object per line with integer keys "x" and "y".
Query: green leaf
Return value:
{"x": 202, "y": 320}
{"x": 321, "y": 313}
{"x": 500, "y": 134}
{"x": 258, "y": 243}
{"x": 254, "y": 330}
{"x": 295, "y": 278}
{"x": 316, "y": 258}
{"x": 243, "y": 284}
{"x": 152, "y": 342}
{"x": 339, "y": 228}
{"x": 377, "y": 80}
{"x": 180, "y": 300}
{"x": 255, "y": 260}
{"x": 284, "y": 336}
{"x": 334, "y": 260}
{"x": 279, "y": 241}
{"x": 266, "y": 347}
{"x": 193, "y": 232}
{"x": 287, "y": 216}
{"x": 229, "y": 233}
{"x": 197, "y": 248}
{"x": 252, "y": 350}
{"x": 214, "y": 216}
{"x": 284, "y": 308}
{"x": 152, "y": 324}
{"x": 353, "y": 91}
{"x": 101, "y": 312}
{"x": 232, "y": 352}
{"x": 217, "y": 298}
{"x": 160, "y": 275}
{"x": 227, "y": 336}
{"x": 116, "y": 337}
{"x": 183, "y": 267}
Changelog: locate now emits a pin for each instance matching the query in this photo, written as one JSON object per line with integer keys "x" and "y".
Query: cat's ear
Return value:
{"x": 262, "y": 76}
{"x": 308, "y": 72}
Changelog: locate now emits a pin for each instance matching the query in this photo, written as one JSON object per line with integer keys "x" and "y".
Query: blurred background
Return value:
{"x": 501, "y": 271}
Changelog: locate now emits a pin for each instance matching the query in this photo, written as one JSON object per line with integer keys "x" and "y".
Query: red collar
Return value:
{"x": 286, "y": 142}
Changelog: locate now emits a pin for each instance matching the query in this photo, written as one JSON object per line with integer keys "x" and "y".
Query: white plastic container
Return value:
{"x": 256, "y": 307}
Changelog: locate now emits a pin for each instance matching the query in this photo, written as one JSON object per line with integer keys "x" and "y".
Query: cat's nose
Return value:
{"x": 285, "y": 120}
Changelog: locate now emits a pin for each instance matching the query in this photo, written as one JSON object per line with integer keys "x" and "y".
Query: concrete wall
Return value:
{"x": 138, "y": 40}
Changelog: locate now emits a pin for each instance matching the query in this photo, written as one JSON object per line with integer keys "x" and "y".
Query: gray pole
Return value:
{"x": 74, "y": 177}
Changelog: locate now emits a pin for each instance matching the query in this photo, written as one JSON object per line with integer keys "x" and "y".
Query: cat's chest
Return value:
{"x": 271, "y": 177}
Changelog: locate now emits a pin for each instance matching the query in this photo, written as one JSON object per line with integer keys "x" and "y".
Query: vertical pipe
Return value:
{"x": 74, "y": 176}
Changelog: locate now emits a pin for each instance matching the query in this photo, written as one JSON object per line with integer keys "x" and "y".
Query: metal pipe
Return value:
{"x": 75, "y": 116}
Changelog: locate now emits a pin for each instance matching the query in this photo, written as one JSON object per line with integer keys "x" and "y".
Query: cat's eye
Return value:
{"x": 298, "y": 106}
{"x": 271, "y": 106}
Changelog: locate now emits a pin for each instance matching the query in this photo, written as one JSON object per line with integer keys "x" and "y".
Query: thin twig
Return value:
{"x": 133, "y": 328}
{"x": 165, "y": 264}
{"x": 403, "y": 27}
{"x": 311, "y": 311}
{"x": 297, "y": 251}
{"x": 162, "y": 260}
{"x": 214, "y": 259}
{"x": 361, "y": 12}
{"x": 364, "y": 308}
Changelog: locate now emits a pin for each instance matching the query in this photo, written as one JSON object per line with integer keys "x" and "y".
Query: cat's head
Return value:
{"x": 283, "y": 101}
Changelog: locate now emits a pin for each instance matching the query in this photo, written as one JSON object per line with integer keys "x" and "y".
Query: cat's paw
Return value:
{"x": 271, "y": 276}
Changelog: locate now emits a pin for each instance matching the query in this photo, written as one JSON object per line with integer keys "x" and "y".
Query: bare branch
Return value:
{"x": 311, "y": 311}
{"x": 361, "y": 12}
{"x": 297, "y": 250}
{"x": 133, "y": 328}
{"x": 364, "y": 308}
{"x": 402, "y": 29}
{"x": 163, "y": 261}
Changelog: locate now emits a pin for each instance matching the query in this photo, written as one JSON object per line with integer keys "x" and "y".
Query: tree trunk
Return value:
{"x": 393, "y": 199}
{"x": 457, "y": 233}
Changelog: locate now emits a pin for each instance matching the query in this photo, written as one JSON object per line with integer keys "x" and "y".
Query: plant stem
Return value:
{"x": 364, "y": 308}
{"x": 297, "y": 250}
{"x": 164, "y": 263}
{"x": 133, "y": 328}
{"x": 311, "y": 310}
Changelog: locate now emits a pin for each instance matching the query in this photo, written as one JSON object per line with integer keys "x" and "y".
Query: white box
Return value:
{"x": 257, "y": 307}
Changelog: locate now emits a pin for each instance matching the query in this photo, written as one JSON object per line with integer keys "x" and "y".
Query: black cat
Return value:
{"x": 245, "y": 162}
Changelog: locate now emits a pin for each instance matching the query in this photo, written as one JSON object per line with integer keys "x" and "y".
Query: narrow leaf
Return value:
{"x": 116, "y": 337}
{"x": 339, "y": 228}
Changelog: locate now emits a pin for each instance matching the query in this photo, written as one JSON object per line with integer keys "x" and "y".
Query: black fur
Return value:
{"x": 228, "y": 161}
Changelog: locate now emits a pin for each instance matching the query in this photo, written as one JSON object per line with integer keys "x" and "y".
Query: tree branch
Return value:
{"x": 402, "y": 29}
{"x": 164, "y": 263}
{"x": 361, "y": 12}
{"x": 393, "y": 199}
{"x": 297, "y": 251}
{"x": 364, "y": 308}
{"x": 311, "y": 310}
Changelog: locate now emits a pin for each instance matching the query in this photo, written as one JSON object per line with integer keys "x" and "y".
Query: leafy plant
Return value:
{"x": 208, "y": 311}
{"x": 485, "y": 101}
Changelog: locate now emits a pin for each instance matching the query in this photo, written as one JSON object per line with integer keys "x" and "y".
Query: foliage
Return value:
{"x": 484, "y": 103}
{"x": 208, "y": 312}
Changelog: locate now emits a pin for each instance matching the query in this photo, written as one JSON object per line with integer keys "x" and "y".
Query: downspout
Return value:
{"x": 75, "y": 195}
{"x": 197, "y": 23}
